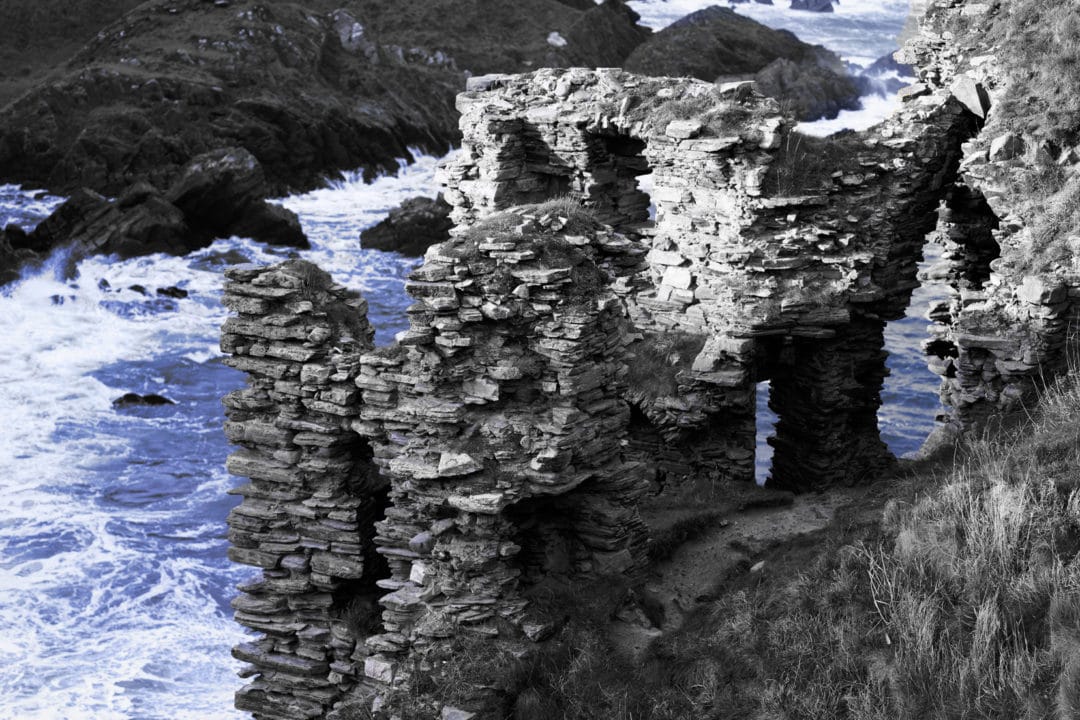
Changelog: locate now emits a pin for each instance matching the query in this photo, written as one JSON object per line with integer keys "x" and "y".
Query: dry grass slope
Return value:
{"x": 961, "y": 603}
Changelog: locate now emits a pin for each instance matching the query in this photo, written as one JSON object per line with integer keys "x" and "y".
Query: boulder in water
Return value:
{"x": 172, "y": 292}
{"x": 412, "y": 227}
{"x": 131, "y": 399}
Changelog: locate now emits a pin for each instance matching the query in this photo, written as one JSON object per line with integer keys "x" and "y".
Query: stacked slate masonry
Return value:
{"x": 307, "y": 514}
{"x": 493, "y": 445}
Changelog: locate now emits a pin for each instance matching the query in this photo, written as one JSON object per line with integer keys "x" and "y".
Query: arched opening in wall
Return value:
{"x": 611, "y": 184}
{"x": 545, "y": 534}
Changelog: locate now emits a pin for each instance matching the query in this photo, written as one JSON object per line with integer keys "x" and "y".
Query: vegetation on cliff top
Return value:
{"x": 1037, "y": 43}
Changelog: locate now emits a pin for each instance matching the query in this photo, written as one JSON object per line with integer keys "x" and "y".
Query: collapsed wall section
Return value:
{"x": 307, "y": 514}
{"x": 500, "y": 423}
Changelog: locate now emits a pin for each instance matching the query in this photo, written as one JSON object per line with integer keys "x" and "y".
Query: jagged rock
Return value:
{"x": 813, "y": 5}
{"x": 218, "y": 194}
{"x": 412, "y": 227}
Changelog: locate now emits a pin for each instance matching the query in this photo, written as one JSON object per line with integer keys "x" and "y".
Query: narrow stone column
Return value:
{"x": 313, "y": 496}
{"x": 504, "y": 403}
{"x": 826, "y": 403}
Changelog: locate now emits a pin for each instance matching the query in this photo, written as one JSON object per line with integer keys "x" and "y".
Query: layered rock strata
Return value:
{"x": 307, "y": 515}
{"x": 500, "y": 423}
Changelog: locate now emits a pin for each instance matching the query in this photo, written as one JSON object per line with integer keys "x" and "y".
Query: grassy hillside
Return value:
{"x": 36, "y": 35}
{"x": 1038, "y": 44}
{"x": 960, "y": 598}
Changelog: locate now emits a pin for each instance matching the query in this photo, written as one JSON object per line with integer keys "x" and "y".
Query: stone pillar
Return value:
{"x": 501, "y": 408}
{"x": 826, "y": 403}
{"x": 313, "y": 496}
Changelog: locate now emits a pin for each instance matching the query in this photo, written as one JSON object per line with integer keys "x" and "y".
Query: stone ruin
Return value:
{"x": 500, "y": 441}
{"x": 1009, "y": 320}
{"x": 785, "y": 278}
{"x": 307, "y": 516}
{"x": 482, "y": 453}
{"x": 499, "y": 420}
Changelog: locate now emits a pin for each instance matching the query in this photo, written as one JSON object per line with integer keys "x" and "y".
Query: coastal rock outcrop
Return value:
{"x": 218, "y": 194}
{"x": 412, "y": 227}
{"x": 308, "y": 89}
{"x": 718, "y": 43}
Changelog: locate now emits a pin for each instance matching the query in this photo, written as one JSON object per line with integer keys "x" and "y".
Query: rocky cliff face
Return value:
{"x": 307, "y": 91}
{"x": 1009, "y": 230}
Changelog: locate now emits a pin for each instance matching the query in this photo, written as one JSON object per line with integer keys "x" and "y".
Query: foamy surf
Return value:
{"x": 114, "y": 585}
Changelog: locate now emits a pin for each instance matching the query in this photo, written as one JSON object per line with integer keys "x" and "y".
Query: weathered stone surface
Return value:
{"x": 742, "y": 248}
{"x": 307, "y": 515}
{"x": 527, "y": 411}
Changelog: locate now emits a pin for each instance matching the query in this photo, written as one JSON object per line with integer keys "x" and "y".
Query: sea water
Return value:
{"x": 114, "y": 584}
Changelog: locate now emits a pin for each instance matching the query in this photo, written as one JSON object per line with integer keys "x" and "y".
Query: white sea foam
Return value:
{"x": 875, "y": 108}
{"x": 113, "y": 580}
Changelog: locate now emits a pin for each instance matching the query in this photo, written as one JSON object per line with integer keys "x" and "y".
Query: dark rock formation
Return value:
{"x": 719, "y": 44}
{"x": 813, "y": 5}
{"x": 305, "y": 90}
{"x": 13, "y": 253}
{"x": 131, "y": 399}
{"x": 217, "y": 195}
{"x": 810, "y": 90}
{"x": 411, "y": 228}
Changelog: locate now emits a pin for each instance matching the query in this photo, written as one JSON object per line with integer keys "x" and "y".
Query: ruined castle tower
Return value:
{"x": 500, "y": 423}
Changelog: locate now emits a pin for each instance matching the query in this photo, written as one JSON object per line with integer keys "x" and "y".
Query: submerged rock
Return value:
{"x": 412, "y": 227}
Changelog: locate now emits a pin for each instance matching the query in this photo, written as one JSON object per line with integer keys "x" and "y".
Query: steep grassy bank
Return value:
{"x": 959, "y": 597}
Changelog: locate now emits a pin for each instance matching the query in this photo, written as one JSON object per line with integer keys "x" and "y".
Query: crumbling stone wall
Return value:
{"x": 307, "y": 515}
{"x": 780, "y": 276}
{"x": 500, "y": 423}
{"x": 1007, "y": 325}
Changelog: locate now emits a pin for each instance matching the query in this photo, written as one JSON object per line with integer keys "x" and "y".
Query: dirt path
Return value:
{"x": 750, "y": 531}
